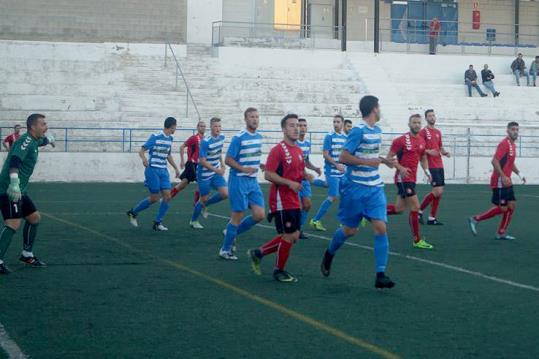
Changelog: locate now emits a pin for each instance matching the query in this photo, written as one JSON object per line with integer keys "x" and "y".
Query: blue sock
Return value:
{"x": 163, "y": 208}
{"x": 337, "y": 241}
{"x": 323, "y": 209}
{"x": 319, "y": 183}
{"x": 246, "y": 224}
{"x": 303, "y": 219}
{"x": 196, "y": 211}
{"x": 381, "y": 251}
{"x": 231, "y": 233}
{"x": 216, "y": 198}
{"x": 144, "y": 204}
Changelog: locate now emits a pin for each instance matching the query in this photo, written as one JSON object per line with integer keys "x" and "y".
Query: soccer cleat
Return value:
{"x": 196, "y": 225}
{"x": 229, "y": 256}
{"x": 205, "y": 213}
{"x": 159, "y": 227}
{"x": 32, "y": 261}
{"x": 4, "y": 269}
{"x": 434, "y": 222}
{"x": 383, "y": 281}
{"x": 302, "y": 236}
{"x": 325, "y": 267}
{"x": 420, "y": 216}
{"x": 504, "y": 237}
{"x": 255, "y": 257}
{"x": 317, "y": 225}
{"x": 132, "y": 218}
{"x": 473, "y": 225}
{"x": 284, "y": 276}
{"x": 423, "y": 244}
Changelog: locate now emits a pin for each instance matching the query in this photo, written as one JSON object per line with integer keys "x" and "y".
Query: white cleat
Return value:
{"x": 132, "y": 219}
{"x": 227, "y": 255}
{"x": 159, "y": 227}
{"x": 196, "y": 225}
{"x": 205, "y": 213}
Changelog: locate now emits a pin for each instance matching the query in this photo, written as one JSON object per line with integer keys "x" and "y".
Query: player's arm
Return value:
{"x": 500, "y": 151}
{"x": 5, "y": 143}
{"x": 519, "y": 174}
{"x": 182, "y": 159}
{"x": 281, "y": 181}
{"x": 326, "y": 149}
{"x": 232, "y": 153}
{"x": 170, "y": 160}
{"x": 142, "y": 155}
{"x": 425, "y": 165}
{"x": 405, "y": 171}
{"x": 14, "y": 190}
{"x": 309, "y": 165}
{"x": 204, "y": 163}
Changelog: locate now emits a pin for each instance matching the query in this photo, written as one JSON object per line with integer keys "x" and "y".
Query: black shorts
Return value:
{"x": 500, "y": 196}
{"x": 16, "y": 210}
{"x": 190, "y": 172}
{"x": 406, "y": 189}
{"x": 438, "y": 177}
{"x": 287, "y": 221}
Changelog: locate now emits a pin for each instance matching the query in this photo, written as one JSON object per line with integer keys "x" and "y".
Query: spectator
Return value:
{"x": 534, "y": 70}
{"x": 434, "y": 32}
{"x": 10, "y": 140}
{"x": 470, "y": 79}
{"x": 487, "y": 76}
{"x": 519, "y": 69}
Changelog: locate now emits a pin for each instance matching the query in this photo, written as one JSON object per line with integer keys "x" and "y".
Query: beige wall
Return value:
{"x": 94, "y": 20}
{"x": 360, "y": 11}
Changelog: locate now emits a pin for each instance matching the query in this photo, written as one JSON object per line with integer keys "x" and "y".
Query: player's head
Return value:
{"x": 302, "y": 124}
{"x": 36, "y": 125}
{"x": 215, "y": 126}
{"x": 430, "y": 116}
{"x": 512, "y": 130}
{"x": 470, "y": 67}
{"x": 17, "y": 128}
{"x": 347, "y": 126}
{"x": 338, "y": 122}
{"x": 519, "y": 55}
{"x": 201, "y": 127}
{"x": 289, "y": 124}
{"x": 170, "y": 125}
{"x": 414, "y": 122}
{"x": 251, "y": 118}
{"x": 369, "y": 107}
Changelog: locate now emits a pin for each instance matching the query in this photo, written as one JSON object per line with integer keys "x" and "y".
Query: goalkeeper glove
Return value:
{"x": 51, "y": 140}
{"x": 14, "y": 189}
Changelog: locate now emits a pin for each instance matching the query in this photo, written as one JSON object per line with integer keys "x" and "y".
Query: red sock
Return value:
{"x": 282, "y": 254}
{"x": 435, "y": 205}
{"x": 414, "y": 224}
{"x": 173, "y": 192}
{"x": 270, "y": 246}
{"x": 504, "y": 223}
{"x": 391, "y": 209}
{"x": 427, "y": 200}
{"x": 197, "y": 197}
{"x": 494, "y": 211}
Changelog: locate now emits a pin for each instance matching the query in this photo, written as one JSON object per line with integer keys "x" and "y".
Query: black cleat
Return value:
{"x": 302, "y": 236}
{"x": 325, "y": 267}
{"x": 421, "y": 221}
{"x": 4, "y": 269}
{"x": 434, "y": 222}
{"x": 32, "y": 261}
{"x": 383, "y": 281}
{"x": 284, "y": 276}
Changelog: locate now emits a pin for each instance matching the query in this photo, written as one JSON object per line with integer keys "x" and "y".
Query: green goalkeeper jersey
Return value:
{"x": 27, "y": 149}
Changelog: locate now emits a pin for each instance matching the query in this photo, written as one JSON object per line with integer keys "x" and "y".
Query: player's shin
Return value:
{"x": 337, "y": 241}
{"x": 414, "y": 225}
{"x": 381, "y": 252}
{"x": 427, "y": 200}
{"x": 6, "y": 234}
{"x": 492, "y": 212}
{"x": 283, "y": 253}
{"x": 29, "y": 233}
{"x": 271, "y": 246}
{"x": 434, "y": 207}
{"x": 506, "y": 220}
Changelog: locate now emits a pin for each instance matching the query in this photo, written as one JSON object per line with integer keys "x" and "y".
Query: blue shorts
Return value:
{"x": 358, "y": 202}
{"x": 244, "y": 192}
{"x": 334, "y": 184}
{"x": 157, "y": 179}
{"x": 206, "y": 185}
{"x": 306, "y": 191}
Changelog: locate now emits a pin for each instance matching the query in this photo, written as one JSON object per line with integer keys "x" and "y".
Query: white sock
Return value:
{"x": 27, "y": 254}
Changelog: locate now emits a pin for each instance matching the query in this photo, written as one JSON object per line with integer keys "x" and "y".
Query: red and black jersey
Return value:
{"x": 193, "y": 147}
{"x": 433, "y": 141}
{"x": 506, "y": 153}
{"x": 409, "y": 150}
{"x": 287, "y": 161}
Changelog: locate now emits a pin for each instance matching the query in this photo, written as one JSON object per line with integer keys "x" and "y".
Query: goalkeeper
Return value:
{"x": 15, "y": 203}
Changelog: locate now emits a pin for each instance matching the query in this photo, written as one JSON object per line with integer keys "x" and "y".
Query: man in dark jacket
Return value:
{"x": 487, "y": 76}
{"x": 470, "y": 79}
{"x": 519, "y": 69}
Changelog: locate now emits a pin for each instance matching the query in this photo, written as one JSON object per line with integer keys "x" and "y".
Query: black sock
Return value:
{"x": 5, "y": 239}
{"x": 29, "y": 236}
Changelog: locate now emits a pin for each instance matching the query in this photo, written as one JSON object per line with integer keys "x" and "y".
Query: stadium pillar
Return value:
{"x": 376, "y": 26}
{"x": 517, "y": 20}
{"x": 344, "y": 29}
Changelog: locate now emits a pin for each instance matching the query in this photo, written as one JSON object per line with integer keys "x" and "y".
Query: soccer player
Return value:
{"x": 503, "y": 195}
{"x": 189, "y": 173}
{"x": 435, "y": 150}
{"x": 306, "y": 193}
{"x": 15, "y": 202}
{"x": 285, "y": 169}
{"x": 157, "y": 178}
{"x": 347, "y": 127}
{"x": 10, "y": 140}
{"x": 243, "y": 158}
{"x": 363, "y": 191}
{"x": 210, "y": 172}
{"x": 334, "y": 171}
{"x": 410, "y": 150}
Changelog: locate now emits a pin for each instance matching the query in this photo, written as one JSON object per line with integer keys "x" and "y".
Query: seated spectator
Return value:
{"x": 534, "y": 70}
{"x": 470, "y": 79}
{"x": 487, "y": 76}
{"x": 519, "y": 69}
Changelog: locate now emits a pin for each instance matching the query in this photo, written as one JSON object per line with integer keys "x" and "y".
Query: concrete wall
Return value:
{"x": 95, "y": 21}
{"x": 200, "y": 16}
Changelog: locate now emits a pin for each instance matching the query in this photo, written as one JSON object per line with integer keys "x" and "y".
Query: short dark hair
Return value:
{"x": 536, "y": 57}
{"x": 302, "y": 120}
{"x": 32, "y": 119}
{"x": 415, "y": 115}
{"x": 339, "y": 116}
{"x": 248, "y": 111}
{"x": 512, "y": 123}
{"x": 428, "y": 111}
{"x": 367, "y": 104}
{"x": 170, "y": 121}
{"x": 17, "y": 125}
{"x": 214, "y": 119}
{"x": 347, "y": 121}
{"x": 284, "y": 119}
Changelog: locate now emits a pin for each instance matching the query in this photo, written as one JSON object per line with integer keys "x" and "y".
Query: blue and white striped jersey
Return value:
{"x": 246, "y": 149}
{"x": 305, "y": 146}
{"x": 159, "y": 146}
{"x": 333, "y": 143}
{"x": 364, "y": 142}
{"x": 210, "y": 149}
